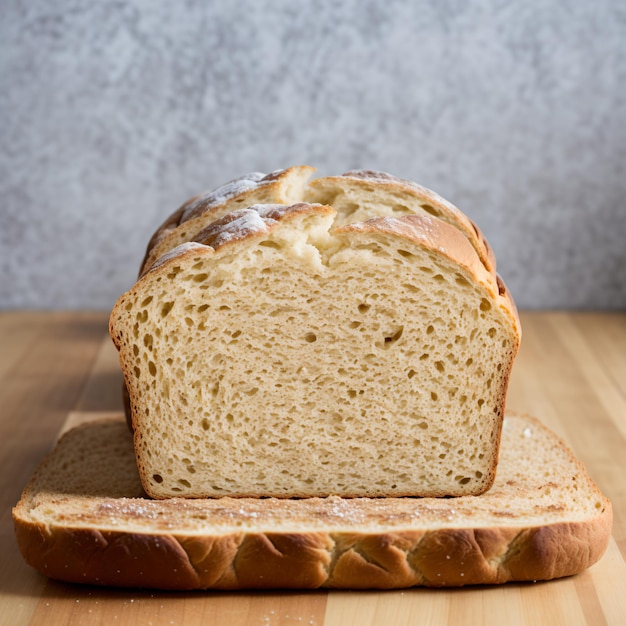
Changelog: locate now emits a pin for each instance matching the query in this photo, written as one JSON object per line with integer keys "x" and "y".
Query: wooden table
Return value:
{"x": 571, "y": 373}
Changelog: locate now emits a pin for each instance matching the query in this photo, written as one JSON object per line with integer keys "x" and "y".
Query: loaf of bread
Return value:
{"x": 281, "y": 356}
{"x": 83, "y": 518}
{"x": 357, "y": 195}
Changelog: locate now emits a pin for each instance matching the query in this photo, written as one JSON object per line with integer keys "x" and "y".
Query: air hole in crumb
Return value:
{"x": 137, "y": 372}
{"x": 152, "y": 368}
{"x": 431, "y": 210}
{"x": 405, "y": 253}
{"x": 205, "y": 424}
{"x": 430, "y": 330}
{"x": 433, "y": 395}
{"x": 270, "y": 244}
{"x": 184, "y": 483}
{"x": 147, "y": 301}
{"x": 485, "y": 305}
{"x": 166, "y": 307}
{"x": 157, "y": 478}
{"x": 200, "y": 278}
{"x": 393, "y": 337}
{"x": 439, "y": 366}
{"x": 364, "y": 308}
{"x": 411, "y": 373}
{"x": 310, "y": 337}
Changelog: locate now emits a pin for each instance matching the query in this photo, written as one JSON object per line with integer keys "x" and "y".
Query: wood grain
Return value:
{"x": 57, "y": 369}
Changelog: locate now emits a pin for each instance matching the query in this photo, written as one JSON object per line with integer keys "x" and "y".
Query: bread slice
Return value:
{"x": 280, "y": 358}
{"x": 83, "y": 518}
{"x": 357, "y": 195}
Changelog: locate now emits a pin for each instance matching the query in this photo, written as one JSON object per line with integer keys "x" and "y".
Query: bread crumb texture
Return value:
{"x": 284, "y": 355}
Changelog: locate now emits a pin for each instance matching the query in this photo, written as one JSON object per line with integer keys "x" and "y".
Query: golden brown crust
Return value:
{"x": 310, "y": 560}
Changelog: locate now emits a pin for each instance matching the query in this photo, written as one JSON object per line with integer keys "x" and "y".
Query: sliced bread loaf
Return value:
{"x": 83, "y": 518}
{"x": 356, "y": 196}
{"x": 280, "y": 357}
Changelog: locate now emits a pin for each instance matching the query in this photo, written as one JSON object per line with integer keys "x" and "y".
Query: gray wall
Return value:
{"x": 113, "y": 113}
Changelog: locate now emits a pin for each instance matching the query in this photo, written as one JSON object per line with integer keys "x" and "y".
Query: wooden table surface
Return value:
{"x": 571, "y": 373}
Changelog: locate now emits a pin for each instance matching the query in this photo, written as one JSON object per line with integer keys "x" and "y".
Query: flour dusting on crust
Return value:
{"x": 177, "y": 251}
{"x": 222, "y": 194}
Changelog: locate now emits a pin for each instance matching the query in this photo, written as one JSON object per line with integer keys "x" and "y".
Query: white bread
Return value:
{"x": 83, "y": 518}
{"x": 357, "y": 195}
{"x": 280, "y": 358}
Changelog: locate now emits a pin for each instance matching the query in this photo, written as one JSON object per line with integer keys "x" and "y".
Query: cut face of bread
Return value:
{"x": 83, "y": 518}
{"x": 282, "y": 358}
{"x": 356, "y": 196}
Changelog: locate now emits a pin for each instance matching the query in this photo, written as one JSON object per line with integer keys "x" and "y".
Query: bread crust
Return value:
{"x": 311, "y": 560}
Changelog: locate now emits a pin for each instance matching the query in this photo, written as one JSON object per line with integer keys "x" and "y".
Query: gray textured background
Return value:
{"x": 114, "y": 113}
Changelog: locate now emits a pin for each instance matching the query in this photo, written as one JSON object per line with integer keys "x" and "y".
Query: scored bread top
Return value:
{"x": 281, "y": 186}
{"x": 363, "y": 194}
{"x": 356, "y": 196}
